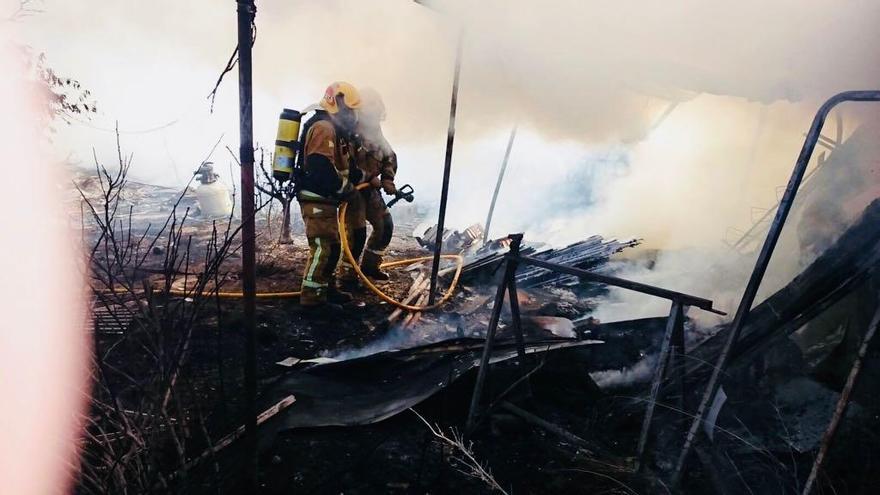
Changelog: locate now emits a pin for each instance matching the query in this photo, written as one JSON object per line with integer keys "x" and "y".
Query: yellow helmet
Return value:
{"x": 350, "y": 96}
{"x": 372, "y": 105}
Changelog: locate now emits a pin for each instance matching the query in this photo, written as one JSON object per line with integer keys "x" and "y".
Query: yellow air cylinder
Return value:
{"x": 286, "y": 144}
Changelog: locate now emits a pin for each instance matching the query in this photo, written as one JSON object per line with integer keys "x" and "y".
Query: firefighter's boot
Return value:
{"x": 370, "y": 266}
{"x": 337, "y": 296}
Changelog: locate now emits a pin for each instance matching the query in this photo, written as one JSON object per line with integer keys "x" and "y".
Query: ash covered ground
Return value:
{"x": 174, "y": 363}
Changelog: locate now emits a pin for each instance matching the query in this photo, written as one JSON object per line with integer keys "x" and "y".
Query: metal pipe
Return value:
{"x": 516, "y": 321}
{"x": 761, "y": 264}
{"x": 447, "y": 167}
{"x": 498, "y": 184}
{"x": 672, "y": 322}
{"x": 677, "y": 354}
{"x": 490, "y": 338}
{"x": 246, "y": 12}
{"x": 685, "y": 299}
{"x": 842, "y": 403}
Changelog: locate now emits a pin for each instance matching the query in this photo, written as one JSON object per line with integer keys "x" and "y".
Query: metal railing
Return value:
{"x": 761, "y": 264}
{"x": 672, "y": 348}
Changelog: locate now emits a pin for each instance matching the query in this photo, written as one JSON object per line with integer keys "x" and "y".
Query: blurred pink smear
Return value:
{"x": 44, "y": 351}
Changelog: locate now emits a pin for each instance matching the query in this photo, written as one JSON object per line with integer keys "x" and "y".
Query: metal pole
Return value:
{"x": 498, "y": 184}
{"x": 684, "y": 299}
{"x": 515, "y": 318}
{"x": 444, "y": 192}
{"x": 842, "y": 403}
{"x": 677, "y": 354}
{"x": 751, "y": 291}
{"x": 246, "y": 12}
{"x": 675, "y": 313}
{"x": 483, "y": 371}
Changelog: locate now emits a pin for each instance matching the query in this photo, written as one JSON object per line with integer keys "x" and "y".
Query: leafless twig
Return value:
{"x": 25, "y": 9}
{"x": 230, "y": 64}
{"x": 471, "y": 466}
{"x": 143, "y": 406}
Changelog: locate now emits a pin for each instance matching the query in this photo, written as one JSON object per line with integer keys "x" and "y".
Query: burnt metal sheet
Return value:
{"x": 369, "y": 389}
{"x": 835, "y": 273}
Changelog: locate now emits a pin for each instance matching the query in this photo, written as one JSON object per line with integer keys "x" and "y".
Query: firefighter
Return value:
{"x": 327, "y": 177}
{"x": 378, "y": 163}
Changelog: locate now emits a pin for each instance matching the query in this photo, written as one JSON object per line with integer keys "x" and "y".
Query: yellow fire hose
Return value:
{"x": 350, "y": 258}
{"x": 354, "y": 264}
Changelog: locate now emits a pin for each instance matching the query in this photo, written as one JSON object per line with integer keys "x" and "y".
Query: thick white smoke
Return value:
{"x": 588, "y": 82}
{"x": 587, "y": 73}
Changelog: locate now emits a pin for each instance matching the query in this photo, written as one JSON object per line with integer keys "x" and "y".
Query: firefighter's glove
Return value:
{"x": 389, "y": 188}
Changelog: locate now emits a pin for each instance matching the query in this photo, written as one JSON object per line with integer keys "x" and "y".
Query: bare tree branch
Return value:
{"x": 230, "y": 64}
{"x": 472, "y": 467}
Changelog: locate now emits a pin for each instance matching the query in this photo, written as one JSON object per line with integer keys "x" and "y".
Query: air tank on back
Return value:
{"x": 286, "y": 144}
{"x": 212, "y": 195}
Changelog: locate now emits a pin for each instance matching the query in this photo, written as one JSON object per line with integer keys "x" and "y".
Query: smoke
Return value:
{"x": 397, "y": 338}
{"x": 641, "y": 372}
{"x": 830, "y": 200}
{"x": 588, "y": 71}
{"x": 401, "y": 337}
{"x": 666, "y": 122}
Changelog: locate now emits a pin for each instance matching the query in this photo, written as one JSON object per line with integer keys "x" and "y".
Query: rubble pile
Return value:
{"x": 763, "y": 412}
{"x": 453, "y": 240}
{"x": 792, "y": 348}
{"x": 591, "y": 253}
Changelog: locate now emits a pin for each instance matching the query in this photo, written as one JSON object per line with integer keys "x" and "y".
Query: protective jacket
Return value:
{"x": 326, "y": 176}
{"x": 375, "y": 157}
{"x": 327, "y": 173}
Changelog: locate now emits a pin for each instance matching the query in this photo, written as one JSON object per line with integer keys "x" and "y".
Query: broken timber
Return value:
{"x": 229, "y": 439}
{"x": 587, "y": 254}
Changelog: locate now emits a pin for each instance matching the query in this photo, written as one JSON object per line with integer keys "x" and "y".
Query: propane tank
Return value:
{"x": 286, "y": 144}
{"x": 212, "y": 194}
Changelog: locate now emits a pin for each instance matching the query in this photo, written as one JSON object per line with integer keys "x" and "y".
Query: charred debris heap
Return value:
{"x": 738, "y": 392}
{"x": 516, "y": 361}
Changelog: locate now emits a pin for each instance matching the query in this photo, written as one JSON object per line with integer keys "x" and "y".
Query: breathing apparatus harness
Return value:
{"x": 289, "y": 162}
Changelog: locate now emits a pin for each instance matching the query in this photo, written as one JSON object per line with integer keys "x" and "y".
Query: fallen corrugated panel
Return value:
{"x": 369, "y": 389}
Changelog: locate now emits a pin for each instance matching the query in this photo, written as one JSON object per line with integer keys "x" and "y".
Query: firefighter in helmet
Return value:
{"x": 378, "y": 164}
{"x": 328, "y": 177}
